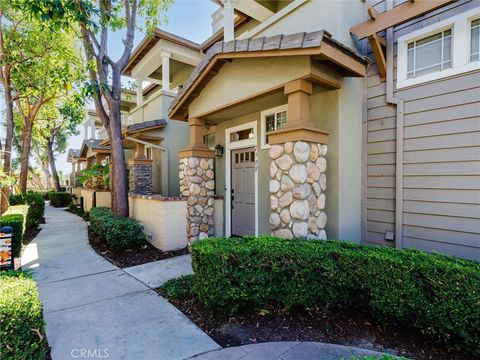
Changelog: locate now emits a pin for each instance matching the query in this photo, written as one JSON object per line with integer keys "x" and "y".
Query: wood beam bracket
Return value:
{"x": 378, "y": 50}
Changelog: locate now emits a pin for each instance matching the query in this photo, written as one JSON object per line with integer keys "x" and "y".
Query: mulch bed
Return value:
{"x": 353, "y": 327}
{"x": 146, "y": 254}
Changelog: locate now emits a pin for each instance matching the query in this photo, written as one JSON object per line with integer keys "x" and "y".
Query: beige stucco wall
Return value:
{"x": 337, "y": 17}
{"x": 103, "y": 198}
{"x": 244, "y": 78}
{"x": 87, "y": 196}
{"x": 165, "y": 221}
{"x": 78, "y": 193}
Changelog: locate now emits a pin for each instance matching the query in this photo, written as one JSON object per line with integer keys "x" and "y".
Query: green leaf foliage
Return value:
{"x": 16, "y": 217}
{"x": 59, "y": 198}
{"x": 119, "y": 234}
{"x": 438, "y": 294}
{"x": 22, "y": 327}
{"x": 36, "y": 209}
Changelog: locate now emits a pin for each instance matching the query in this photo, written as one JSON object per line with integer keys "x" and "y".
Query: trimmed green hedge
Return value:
{"x": 16, "y": 217}
{"x": 438, "y": 294}
{"x": 59, "y": 199}
{"x": 36, "y": 211}
{"x": 22, "y": 328}
{"x": 119, "y": 233}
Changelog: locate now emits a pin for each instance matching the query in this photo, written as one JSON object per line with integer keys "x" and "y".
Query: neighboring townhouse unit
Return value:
{"x": 422, "y": 134}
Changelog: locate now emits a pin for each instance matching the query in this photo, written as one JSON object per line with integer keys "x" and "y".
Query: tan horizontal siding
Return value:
{"x": 380, "y": 187}
{"x": 442, "y": 208}
{"x": 441, "y": 197}
{"x": 446, "y": 168}
{"x": 456, "y": 126}
{"x": 442, "y": 155}
{"x": 442, "y": 182}
{"x": 461, "y": 97}
{"x": 464, "y": 111}
{"x": 466, "y": 252}
{"x": 443, "y": 141}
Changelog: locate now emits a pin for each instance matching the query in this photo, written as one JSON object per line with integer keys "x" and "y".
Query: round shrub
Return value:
{"x": 59, "y": 199}
{"x": 22, "y": 328}
{"x": 36, "y": 203}
{"x": 119, "y": 234}
{"x": 438, "y": 294}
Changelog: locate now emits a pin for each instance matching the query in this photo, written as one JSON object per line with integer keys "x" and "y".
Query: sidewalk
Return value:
{"x": 91, "y": 306}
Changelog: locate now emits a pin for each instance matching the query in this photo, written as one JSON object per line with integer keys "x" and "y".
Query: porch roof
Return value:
{"x": 319, "y": 45}
{"x": 94, "y": 145}
{"x": 137, "y": 130}
{"x": 73, "y": 154}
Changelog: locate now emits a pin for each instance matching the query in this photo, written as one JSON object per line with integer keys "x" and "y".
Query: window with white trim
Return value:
{"x": 446, "y": 48}
{"x": 430, "y": 54}
{"x": 272, "y": 120}
{"x": 475, "y": 40}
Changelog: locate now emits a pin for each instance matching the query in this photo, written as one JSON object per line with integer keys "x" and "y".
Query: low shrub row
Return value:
{"x": 438, "y": 294}
{"x": 16, "y": 217}
{"x": 59, "y": 199}
{"x": 119, "y": 233}
{"x": 36, "y": 203}
{"x": 22, "y": 327}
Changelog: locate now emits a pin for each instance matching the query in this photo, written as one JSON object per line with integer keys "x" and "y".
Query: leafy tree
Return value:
{"x": 54, "y": 125}
{"x": 53, "y": 64}
{"x": 37, "y": 66}
{"x": 6, "y": 64}
{"x": 95, "y": 21}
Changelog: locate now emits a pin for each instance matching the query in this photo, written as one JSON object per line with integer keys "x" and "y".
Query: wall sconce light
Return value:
{"x": 218, "y": 150}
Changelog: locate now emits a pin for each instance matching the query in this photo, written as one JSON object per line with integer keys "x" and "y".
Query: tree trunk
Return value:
{"x": 53, "y": 167}
{"x": 118, "y": 169}
{"x": 7, "y": 156}
{"x": 26, "y": 146}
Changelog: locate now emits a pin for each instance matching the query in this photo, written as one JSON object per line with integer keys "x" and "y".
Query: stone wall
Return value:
{"x": 140, "y": 177}
{"x": 197, "y": 184}
{"x": 297, "y": 190}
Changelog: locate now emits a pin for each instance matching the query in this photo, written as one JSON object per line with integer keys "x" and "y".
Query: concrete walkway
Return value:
{"x": 156, "y": 273}
{"x": 93, "y": 309}
{"x": 288, "y": 350}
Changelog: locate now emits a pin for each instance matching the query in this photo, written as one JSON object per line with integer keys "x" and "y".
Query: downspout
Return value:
{"x": 165, "y": 152}
{"x": 399, "y": 103}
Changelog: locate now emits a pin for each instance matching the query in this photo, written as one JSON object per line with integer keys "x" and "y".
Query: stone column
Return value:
{"x": 197, "y": 183}
{"x": 297, "y": 190}
{"x": 140, "y": 177}
{"x": 297, "y": 170}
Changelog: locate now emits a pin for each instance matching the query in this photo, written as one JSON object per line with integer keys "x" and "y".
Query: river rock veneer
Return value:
{"x": 197, "y": 184}
{"x": 297, "y": 190}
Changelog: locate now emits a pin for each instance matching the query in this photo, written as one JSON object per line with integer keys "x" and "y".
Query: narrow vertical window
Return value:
{"x": 475, "y": 40}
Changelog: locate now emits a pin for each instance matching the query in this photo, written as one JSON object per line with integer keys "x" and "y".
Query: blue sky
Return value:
{"x": 190, "y": 19}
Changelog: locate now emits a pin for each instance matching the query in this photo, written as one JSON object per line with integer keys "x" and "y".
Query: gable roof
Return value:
{"x": 318, "y": 43}
{"x": 93, "y": 144}
{"x": 150, "y": 41}
{"x": 146, "y": 125}
{"x": 72, "y": 154}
